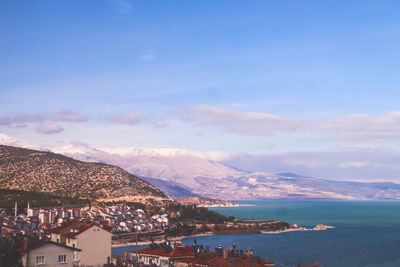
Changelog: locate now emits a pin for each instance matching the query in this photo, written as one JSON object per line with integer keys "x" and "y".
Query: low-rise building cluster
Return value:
{"x": 71, "y": 236}
{"x": 75, "y": 244}
{"x": 126, "y": 220}
{"x": 117, "y": 219}
{"x": 176, "y": 254}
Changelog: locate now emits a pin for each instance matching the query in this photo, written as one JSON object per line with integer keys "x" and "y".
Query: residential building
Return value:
{"x": 48, "y": 254}
{"x": 94, "y": 242}
{"x": 180, "y": 255}
{"x": 163, "y": 254}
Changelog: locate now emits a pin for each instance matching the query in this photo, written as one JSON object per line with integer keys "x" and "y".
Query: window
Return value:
{"x": 39, "y": 260}
{"x": 62, "y": 258}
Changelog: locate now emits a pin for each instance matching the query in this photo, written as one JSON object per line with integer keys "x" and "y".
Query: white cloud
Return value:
{"x": 355, "y": 164}
{"x": 21, "y": 119}
{"x": 356, "y": 127}
{"x": 49, "y": 128}
{"x": 250, "y": 123}
{"x": 68, "y": 116}
{"x": 24, "y": 118}
{"x": 343, "y": 163}
{"x": 352, "y": 127}
{"x": 129, "y": 119}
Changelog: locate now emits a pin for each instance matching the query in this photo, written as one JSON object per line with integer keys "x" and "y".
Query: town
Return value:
{"x": 84, "y": 235}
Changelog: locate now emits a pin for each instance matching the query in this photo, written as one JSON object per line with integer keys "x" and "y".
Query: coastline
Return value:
{"x": 180, "y": 238}
{"x": 227, "y": 206}
{"x": 175, "y": 239}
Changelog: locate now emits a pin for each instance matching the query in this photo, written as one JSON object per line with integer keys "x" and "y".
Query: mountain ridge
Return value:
{"x": 40, "y": 171}
{"x": 210, "y": 178}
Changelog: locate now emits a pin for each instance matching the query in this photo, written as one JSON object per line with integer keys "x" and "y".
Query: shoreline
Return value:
{"x": 227, "y": 206}
{"x": 180, "y": 238}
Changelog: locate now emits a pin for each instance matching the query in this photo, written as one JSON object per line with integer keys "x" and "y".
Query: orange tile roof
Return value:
{"x": 213, "y": 259}
{"x": 78, "y": 230}
{"x": 178, "y": 251}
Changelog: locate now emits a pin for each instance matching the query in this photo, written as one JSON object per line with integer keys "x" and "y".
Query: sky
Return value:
{"x": 308, "y": 86}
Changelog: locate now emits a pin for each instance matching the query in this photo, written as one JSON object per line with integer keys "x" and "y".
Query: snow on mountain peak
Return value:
{"x": 13, "y": 141}
{"x": 164, "y": 152}
{"x": 76, "y": 147}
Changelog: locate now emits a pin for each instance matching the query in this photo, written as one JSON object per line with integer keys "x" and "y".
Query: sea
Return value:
{"x": 366, "y": 233}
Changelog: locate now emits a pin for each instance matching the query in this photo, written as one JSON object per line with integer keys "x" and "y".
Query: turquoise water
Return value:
{"x": 312, "y": 212}
{"x": 367, "y": 233}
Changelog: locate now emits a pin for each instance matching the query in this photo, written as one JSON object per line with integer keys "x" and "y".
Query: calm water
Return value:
{"x": 367, "y": 233}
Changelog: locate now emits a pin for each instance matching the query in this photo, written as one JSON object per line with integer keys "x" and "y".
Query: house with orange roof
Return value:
{"x": 180, "y": 255}
{"x": 163, "y": 254}
{"x": 212, "y": 259}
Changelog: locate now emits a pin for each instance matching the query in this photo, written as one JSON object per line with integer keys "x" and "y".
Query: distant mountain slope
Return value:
{"x": 32, "y": 170}
{"x": 290, "y": 174}
{"x": 172, "y": 189}
{"x": 178, "y": 165}
{"x": 206, "y": 202}
{"x": 202, "y": 174}
{"x": 271, "y": 186}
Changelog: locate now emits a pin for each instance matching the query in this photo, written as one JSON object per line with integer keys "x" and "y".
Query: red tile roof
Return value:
{"x": 212, "y": 259}
{"x": 78, "y": 230}
{"x": 178, "y": 251}
{"x": 64, "y": 226}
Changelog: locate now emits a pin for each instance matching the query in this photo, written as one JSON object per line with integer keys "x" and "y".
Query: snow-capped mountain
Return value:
{"x": 13, "y": 141}
{"x": 203, "y": 174}
{"x": 176, "y": 165}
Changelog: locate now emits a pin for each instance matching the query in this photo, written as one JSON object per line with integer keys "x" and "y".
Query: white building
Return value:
{"x": 93, "y": 241}
{"x": 50, "y": 254}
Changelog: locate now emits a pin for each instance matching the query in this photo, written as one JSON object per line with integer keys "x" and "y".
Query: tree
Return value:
{"x": 9, "y": 257}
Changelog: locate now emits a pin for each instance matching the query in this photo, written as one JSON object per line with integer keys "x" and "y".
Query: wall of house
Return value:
{"x": 50, "y": 253}
{"x": 96, "y": 246}
{"x": 55, "y": 237}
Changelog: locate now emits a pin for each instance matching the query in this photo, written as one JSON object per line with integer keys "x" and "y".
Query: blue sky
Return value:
{"x": 235, "y": 76}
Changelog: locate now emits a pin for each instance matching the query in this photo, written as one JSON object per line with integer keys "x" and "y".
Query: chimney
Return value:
{"x": 234, "y": 245}
{"x": 15, "y": 210}
{"x": 249, "y": 252}
{"x": 225, "y": 253}
{"x": 26, "y": 242}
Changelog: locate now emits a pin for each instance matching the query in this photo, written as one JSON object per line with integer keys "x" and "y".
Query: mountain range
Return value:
{"x": 186, "y": 173}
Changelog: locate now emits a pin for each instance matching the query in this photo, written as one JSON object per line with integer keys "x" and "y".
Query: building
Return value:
{"x": 48, "y": 253}
{"x": 163, "y": 254}
{"x": 93, "y": 241}
{"x": 180, "y": 255}
{"x": 212, "y": 259}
